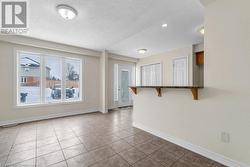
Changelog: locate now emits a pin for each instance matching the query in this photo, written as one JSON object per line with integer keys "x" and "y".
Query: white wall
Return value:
{"x": 166, "y": 59}
{"x": 10, "y": 113}
{"x": 224, "y": 102}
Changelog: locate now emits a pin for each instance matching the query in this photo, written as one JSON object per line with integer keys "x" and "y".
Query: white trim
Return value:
{"x": 50, "y": 116}
{"x": 197, "y": 149}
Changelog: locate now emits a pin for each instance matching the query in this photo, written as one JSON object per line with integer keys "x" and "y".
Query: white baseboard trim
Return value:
{"x": 50, "y": 116}
{"x": 197, "y": 149}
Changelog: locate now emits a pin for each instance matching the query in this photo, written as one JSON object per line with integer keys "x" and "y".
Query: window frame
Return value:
{"x": 43, "y": 101}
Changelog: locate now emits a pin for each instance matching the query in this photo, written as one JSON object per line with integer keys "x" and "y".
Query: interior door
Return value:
{"x": 180, "y": 71}
{"x": 124, "y": 92}
{"x": 124, "y": 81}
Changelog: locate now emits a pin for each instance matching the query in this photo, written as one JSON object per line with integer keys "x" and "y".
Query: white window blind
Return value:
{"x": 151, "y": 75}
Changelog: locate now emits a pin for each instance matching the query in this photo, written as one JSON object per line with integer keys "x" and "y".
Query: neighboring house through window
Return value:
{"x": 46, "y": 78}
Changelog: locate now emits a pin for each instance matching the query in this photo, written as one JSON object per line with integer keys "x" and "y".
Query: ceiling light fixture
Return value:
{"x": 202, "y": 30}
{"x": 142, "y": 51}
{"x": 67, "y": 12}
{"x": 164, "y": 25}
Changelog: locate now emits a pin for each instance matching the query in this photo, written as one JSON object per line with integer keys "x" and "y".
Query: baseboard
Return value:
{"x": 197, "y": 149}
{"x": 50, "y": 116}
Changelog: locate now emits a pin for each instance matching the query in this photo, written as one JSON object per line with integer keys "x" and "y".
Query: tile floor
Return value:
{"x": 96, "y": 140}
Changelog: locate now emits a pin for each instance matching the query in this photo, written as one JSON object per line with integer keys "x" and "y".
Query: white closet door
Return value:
{"x": 180, "y": 72}
{"x": 151, "y": 75}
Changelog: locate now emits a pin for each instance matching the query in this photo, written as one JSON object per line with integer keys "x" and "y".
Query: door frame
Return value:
{"x": 187, "y": 68}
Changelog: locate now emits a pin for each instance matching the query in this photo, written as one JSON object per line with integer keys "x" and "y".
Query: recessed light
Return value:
{"x": 164, "y": 25}
{"x": 67, "y": 12}
{"x": 202, "y": 30}
{"x": 142, "y": 51}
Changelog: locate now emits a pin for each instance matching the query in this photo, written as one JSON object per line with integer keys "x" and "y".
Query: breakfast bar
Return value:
{"x": 194, "y": 89}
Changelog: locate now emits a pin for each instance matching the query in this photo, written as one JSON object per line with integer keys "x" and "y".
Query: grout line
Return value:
{"x": 12, "y": 145}
{"x": 60, "y": 147}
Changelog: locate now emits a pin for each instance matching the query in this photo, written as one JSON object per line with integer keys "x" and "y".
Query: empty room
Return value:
{"x": 124, "y": 83}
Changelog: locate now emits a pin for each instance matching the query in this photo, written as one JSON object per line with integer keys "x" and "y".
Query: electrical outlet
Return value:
{"x": 225, "y": 137}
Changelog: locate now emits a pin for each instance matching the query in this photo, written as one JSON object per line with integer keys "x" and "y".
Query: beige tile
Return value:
{"x": 160, "y": 142}
{"x": 133, "y": 130}
{"x": 102, "y": 153}
{"x": 46, "y": 141}
{"x": 115, "y": 161}
{"x": 74, "y": 151}
{"x": 198, "y": 160}
{"x": 20, "y": 157}
{"x": 45, "y": 135}
{"x": 123, "y": 134}
{"x": 48, "y": 149}
{"x": 133, "y": 155}
{"x": 69, "y": 142}
{"x": 120, "y": 145}
{"x": 147, "y": 162}
{"x": 25, "y": 139}
{"x": 182, "y": 164}
{"x": 94, "y": 144}
{"x": 109, "y": 138}
{"x": 4, "y": 149}
{"x": 65, "y": 136}
{"x": 164, "y": 157}
{"x": 49, "y": 159}
{"x": 27, "y": 163}
{"x": 60, "y": 164}
{"x": 136, "y": 139}
{"x": 148, "y": 148}
{"x": 175, "y": 150}
{"x": 82, "y": 160}
{"x": 24, "y": 147}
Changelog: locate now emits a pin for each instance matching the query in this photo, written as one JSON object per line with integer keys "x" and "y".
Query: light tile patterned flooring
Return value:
{"x": 96, "y": 140}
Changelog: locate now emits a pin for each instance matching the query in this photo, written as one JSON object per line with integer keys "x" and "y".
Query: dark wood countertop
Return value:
{"x": 173, "y": 87}
{"x": 194, "y": 89}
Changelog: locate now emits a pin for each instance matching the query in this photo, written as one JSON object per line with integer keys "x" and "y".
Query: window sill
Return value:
{"x": 48, "y": 104}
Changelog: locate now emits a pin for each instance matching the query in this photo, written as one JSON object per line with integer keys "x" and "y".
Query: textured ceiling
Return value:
{"x": 120, "y": 26}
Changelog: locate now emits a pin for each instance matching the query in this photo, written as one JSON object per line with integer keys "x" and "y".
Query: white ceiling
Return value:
{"x": 120, "y": 26}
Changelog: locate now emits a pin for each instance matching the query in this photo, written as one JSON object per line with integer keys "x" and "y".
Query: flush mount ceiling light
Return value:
{"x": 142, "y": 51}
{"x": 67, "y": 12}
{"x": 164, "y": 25}
{"x": 202, "y": 30}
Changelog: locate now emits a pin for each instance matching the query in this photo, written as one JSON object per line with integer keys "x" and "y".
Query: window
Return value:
{"x": 53, "y": 90}
{"x": 151, "y": 75}
{"x": 30, "y": 70}
{"x": 44, "y": 79}
{"x": 23, "y": 80}
{"x": 72, "y": 79}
